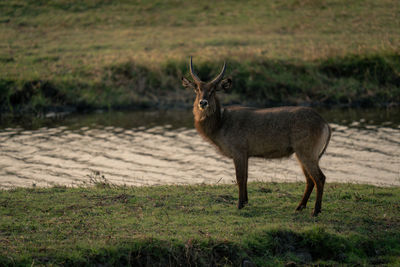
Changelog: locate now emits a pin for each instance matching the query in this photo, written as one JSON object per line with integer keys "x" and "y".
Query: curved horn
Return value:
{"x": 220, "y": 75}
{"x": 194, "y": 76}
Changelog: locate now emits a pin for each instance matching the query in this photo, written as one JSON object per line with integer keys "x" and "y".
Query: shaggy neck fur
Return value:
{"x": 208, "y": 121}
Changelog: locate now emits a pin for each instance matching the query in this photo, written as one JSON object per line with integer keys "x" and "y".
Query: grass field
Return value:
{"x": 78, "y": 55}
{"x": 198, "y": 226}
{"x": 115, "y": 54}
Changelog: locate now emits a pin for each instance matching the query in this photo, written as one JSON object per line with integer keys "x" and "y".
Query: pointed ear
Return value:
{"x": 188, "y": 84}
{"x": 225, "y": 84}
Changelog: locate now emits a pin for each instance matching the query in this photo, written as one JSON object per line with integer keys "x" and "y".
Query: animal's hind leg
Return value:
{"x": 320, "y": 189}
{"x": 311, "y": 167}
{"x": 307, "y": 192}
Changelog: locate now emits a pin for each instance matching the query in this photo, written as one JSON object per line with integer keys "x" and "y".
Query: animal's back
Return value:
{"x": 271, "y": 132}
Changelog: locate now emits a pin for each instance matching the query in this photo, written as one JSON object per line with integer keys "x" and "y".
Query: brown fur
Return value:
{"x": 240, "y": 133}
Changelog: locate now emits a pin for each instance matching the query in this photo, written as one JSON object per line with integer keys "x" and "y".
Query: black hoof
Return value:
{"x": 300, "y": 207}
{"x": 315, "y": 213}
{"x": 241, "y": 204}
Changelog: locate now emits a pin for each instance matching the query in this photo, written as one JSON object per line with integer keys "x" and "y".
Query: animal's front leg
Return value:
{"x": 241, "y": 164}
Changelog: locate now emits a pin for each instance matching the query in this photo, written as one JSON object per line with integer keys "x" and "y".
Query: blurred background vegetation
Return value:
{"x": 79, "y": 55}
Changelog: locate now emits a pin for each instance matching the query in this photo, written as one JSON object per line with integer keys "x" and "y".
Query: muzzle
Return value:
{"x": 203, "y": 104}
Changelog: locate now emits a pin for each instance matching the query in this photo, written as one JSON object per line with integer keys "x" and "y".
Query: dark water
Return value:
{"x": 161, "y": 147}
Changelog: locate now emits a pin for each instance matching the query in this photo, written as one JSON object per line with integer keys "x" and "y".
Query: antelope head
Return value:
{"x": 206, "y": 101}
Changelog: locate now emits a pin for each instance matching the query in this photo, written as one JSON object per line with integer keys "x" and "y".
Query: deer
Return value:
{"x": 240, "y": 132}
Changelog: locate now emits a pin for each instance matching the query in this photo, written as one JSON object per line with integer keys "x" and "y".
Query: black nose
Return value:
{"x": 203, "y": 103}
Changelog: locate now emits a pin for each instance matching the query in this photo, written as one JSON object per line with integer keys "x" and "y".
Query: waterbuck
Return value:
{"x": 241, "y": 132}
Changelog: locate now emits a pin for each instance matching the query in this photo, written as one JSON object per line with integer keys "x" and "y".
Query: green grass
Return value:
{"x": 198, "y": 225}
{"x": 325, "y": 52}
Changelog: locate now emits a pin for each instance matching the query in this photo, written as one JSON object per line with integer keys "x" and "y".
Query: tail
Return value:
{"x": 327, "y": 140}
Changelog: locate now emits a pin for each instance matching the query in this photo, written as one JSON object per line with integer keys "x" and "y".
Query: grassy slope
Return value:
{"x": 198, "y": 225}
{"x": 108, "y": 53}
